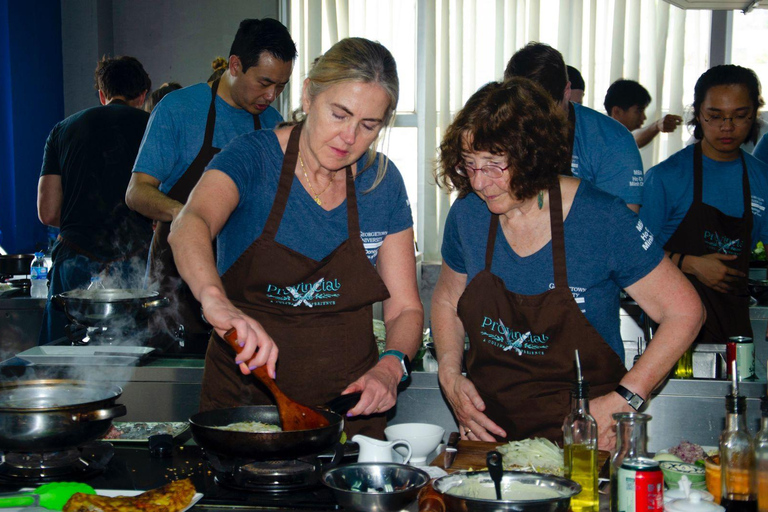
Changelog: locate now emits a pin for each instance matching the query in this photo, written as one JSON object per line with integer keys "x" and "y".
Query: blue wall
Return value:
{"x": 31, "y": 103}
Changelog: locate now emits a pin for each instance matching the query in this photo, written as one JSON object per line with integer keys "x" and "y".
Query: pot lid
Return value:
{"x": 679, "y": 494}
{"x": 692, "y": 504}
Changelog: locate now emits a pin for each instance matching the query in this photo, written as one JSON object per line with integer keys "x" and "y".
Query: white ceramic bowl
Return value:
{"x": 424, "y": 438}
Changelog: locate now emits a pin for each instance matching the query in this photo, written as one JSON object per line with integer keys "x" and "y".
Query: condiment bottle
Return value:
{"x": 761, "y": 458}
{"x": 737, "y": 455}
{"x": 636, "y": 479}
{"x": 580, "y": 442}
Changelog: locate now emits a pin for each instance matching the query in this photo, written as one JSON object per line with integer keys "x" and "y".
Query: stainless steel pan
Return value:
{"x": 50, "y": 415}
{"x": 106, "y": 307}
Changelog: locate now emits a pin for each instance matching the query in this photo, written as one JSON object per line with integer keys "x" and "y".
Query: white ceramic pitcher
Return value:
{"x": 375, "y": 450}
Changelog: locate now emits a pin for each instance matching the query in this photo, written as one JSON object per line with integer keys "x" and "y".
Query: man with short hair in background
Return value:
{"x": 187, "y": 128}
{"x": 626, "y": 101}
{"x": 86, "y": 168}
{"x": 577, "y": 85}
{"x": 602, "y": 151}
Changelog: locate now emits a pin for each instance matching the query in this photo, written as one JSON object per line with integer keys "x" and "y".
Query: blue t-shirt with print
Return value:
{"x": 176, "y": 131}
{"x": 605, "y": 249}
{"x": 668, "y": 192}
{"x": 253, "y": 162}
{"x": 761, "y": 149}
{"x": 606, "y": 155}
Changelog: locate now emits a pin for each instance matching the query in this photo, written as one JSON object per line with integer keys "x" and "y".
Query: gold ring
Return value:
{"x": 467, "y": 431}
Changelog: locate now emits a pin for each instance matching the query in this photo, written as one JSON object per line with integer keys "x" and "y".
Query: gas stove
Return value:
{"x": 134, "y": 468}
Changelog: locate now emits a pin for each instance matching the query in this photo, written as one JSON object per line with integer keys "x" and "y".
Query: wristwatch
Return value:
{"x": 405, "y": 363}
{"x": 634, "y": 400}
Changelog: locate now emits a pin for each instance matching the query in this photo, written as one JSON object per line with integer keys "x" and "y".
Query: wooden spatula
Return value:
{"x": 293, "y": 415}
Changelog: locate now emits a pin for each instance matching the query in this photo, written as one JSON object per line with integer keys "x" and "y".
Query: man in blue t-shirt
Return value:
{"x": 603, "y": 151}
{"x": 191, "y": 125}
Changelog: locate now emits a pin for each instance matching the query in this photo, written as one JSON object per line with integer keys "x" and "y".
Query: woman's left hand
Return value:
{"x": 379, "y": 391}
{"x": 602, "y": 409}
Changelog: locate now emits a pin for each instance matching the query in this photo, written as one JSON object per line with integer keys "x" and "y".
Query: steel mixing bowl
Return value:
{"x": 563, "y": 487}
{"x": 375, "y": 486}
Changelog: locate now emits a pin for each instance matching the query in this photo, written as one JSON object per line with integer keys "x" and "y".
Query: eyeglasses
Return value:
{"x": 717, "y": 121}
{"x": 490, "y": 170}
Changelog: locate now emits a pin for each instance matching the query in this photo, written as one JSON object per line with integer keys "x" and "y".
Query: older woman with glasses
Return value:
{"x": 533, "y": 262}
{"x": 706, "y": 204}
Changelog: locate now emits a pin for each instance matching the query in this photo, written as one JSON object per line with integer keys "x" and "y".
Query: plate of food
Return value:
{"x": 139, "y": 431}
{"x": 177, "y": 496}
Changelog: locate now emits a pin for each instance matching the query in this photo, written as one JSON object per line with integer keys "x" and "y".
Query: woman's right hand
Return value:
{"x": 258, "y": 348}
{"x": 468, "y": 408}
{"x": 712, "y": 271}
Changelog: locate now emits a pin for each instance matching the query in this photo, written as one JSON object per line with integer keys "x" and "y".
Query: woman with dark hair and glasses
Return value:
{"x": 706, "y": 203}
{"x": 533, "y": 262}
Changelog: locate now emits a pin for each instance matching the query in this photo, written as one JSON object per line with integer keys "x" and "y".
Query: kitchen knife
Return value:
{"x": 451, "y": 450}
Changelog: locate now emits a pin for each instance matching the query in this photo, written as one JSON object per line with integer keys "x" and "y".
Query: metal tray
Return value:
{"x": 139, "y": 431}
{"x": 102, "y": 355}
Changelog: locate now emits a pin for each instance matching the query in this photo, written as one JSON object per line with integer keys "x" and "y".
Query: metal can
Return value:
{"x": 641, "y": 486}
{"x": 742, "y": 350}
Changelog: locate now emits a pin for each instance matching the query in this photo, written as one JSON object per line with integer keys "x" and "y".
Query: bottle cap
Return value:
{"x": 39, "y": 254}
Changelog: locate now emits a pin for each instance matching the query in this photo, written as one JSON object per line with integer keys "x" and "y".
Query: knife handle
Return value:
{"x": 430, "y": 500}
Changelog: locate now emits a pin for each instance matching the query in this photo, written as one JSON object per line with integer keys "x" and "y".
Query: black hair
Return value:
{"x": 574, "y": 76}
{"x": 121, "y": 76}
{"x": 625, "y": 94}
{"x": 727, "y": 74}
{"x": 542, "y": 64}
{"x": 154, "y": 98}
{"x": 257, "y": 36}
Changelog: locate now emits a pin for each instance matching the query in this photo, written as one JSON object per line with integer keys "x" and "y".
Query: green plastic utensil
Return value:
{"x": 52, "y": 496}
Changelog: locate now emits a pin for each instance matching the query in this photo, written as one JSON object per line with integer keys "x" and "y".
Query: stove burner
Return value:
{"x": 84, "y": 462}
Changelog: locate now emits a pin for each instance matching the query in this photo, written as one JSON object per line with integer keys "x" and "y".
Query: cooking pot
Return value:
{"x": 51, "y": 415}
{"x": 482, "y": 479}
{"x": 107, "y": 307}
{"x": 15, "y": 264}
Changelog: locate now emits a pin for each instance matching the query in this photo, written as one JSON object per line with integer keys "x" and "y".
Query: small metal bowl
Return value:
{"x": 375, "y": 486}
{"x": 564, "y": 488}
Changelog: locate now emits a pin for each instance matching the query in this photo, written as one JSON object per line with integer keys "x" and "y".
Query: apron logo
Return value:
{"x": 722, "y": 245}
{"x": 499, "y": 335}
{"x": 307, "y": 296}
{"x": 319, "y": 293}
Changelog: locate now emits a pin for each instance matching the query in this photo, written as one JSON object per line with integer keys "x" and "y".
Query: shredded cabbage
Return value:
{"x": 536, "y": 455}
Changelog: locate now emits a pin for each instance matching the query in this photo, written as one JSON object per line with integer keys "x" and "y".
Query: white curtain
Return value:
{"x": 459, "y": 45}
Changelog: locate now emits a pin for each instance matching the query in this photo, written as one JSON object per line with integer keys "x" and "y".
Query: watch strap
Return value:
{"x": 634, "y": 400}
{"x": 404, "y": 362}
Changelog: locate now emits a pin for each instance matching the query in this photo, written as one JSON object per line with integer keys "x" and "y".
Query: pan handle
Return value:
{"x": 430, "y": 500}
{"x": 157, "y": 303}
{"x": 343, "y": 403}
{"x": 100, "y": 414}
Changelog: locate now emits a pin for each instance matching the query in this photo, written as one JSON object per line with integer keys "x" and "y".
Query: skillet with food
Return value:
{"x": 207, "y": 431}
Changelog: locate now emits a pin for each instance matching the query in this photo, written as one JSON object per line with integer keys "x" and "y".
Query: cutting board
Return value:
{"x": 472, "y": 454}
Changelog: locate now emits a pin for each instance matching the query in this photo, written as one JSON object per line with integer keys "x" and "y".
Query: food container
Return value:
{"x": 375, "y": 486}
{"x": 674, "y": 471}
{"x": 694, "y": 503}
{"x": 712, "y": 470}
{"x": 564, "y": 487}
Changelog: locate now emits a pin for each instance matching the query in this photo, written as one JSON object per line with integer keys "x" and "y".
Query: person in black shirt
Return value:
{"x": 87, "y": 164}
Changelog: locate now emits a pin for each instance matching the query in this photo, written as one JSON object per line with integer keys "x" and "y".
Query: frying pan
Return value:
{"x": 268, "y": 445}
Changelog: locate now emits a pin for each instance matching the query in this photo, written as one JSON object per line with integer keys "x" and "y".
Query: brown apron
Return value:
{"x": 319, "y": 313}
{"x": 706, "y": 230}
{"x": 521, "y": 354}
{"x": 162, "y": 268}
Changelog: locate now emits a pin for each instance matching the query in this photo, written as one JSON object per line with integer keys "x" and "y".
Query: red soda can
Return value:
{"x": 742, "y": 350}
{"x": 641, "y": 486}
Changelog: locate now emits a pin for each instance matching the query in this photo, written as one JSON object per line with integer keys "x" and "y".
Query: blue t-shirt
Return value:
{"x": 176, "y": 130}
{"x": 606, "y": 155}
{"x": 606, "y": 249}
{"x": 668, "y": 192}
{"x": 761, "y": 149}
{"x": 253, "y": 161}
